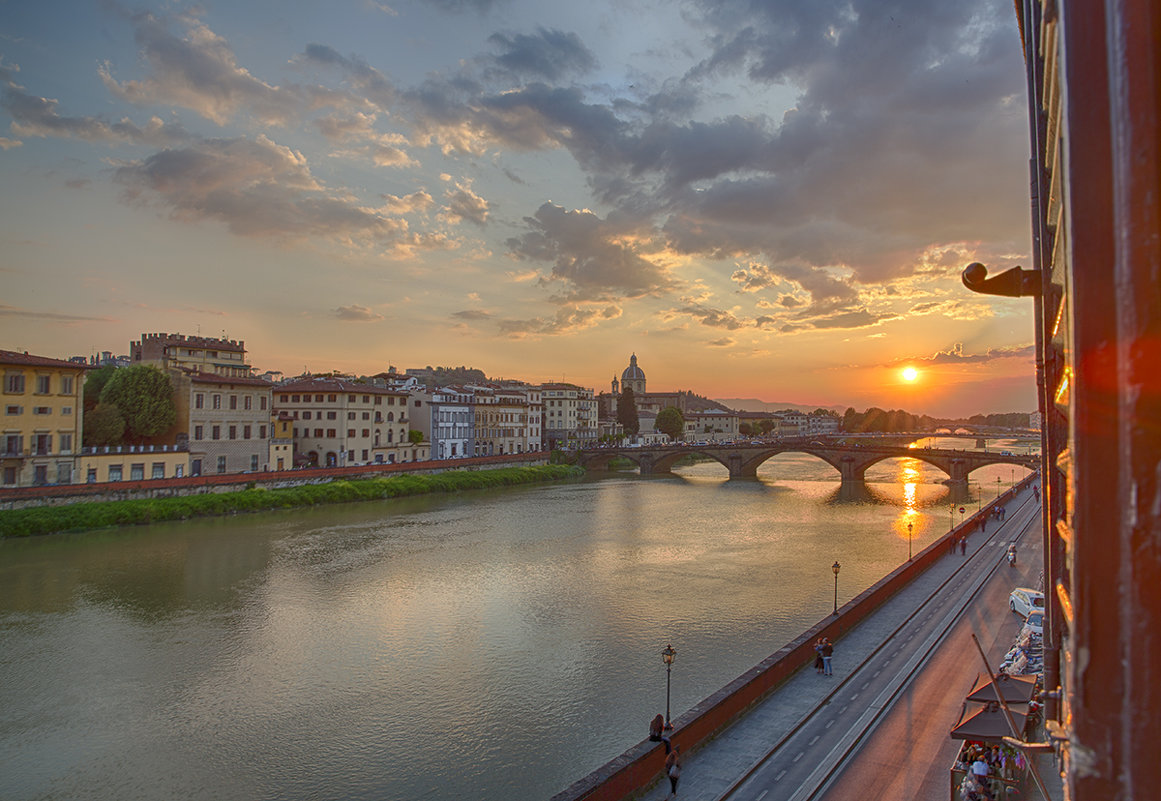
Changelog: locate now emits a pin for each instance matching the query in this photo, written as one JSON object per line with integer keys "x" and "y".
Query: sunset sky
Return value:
{"x": 765, "y": 199}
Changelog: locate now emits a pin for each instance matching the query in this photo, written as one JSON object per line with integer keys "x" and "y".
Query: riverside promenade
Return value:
{"x": 882, "y": 721}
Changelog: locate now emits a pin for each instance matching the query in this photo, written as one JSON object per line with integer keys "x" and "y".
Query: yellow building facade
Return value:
{"x": 42, "y": 419}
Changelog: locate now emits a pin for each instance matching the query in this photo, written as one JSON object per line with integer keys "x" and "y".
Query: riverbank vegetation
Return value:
{"x": 86, "y": 516}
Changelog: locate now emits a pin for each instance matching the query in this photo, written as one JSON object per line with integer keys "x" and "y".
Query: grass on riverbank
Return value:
{"x": 86, "y": 516}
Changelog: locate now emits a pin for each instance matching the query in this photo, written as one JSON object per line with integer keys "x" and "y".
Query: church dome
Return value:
{"x": 632, "y": 372}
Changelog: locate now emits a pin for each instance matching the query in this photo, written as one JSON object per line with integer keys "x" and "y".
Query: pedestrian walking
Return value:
{"x": 673, "y": 769}
{"x": 818, "y": 655}
{"x": 827, "y": 653}
{"x": 963, "y": 545}
{"x": 984, "y": 524}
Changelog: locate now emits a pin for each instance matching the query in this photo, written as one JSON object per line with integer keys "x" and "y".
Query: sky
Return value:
{"x": 767, "y": 199}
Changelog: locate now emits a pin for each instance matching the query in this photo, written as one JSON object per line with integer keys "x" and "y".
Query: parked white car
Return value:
{"x": 1023, "y": 601}
{"x": 1035, "y": 622}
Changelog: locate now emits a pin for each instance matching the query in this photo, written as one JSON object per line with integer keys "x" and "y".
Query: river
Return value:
{"x": 488, "y": 645}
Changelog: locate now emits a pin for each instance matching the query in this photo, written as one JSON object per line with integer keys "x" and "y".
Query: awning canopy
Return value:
{"x": 1013, "y": 689}
{"x": 987, "y": 722}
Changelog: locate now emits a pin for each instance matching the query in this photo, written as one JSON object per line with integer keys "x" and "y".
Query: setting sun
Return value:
{"x": 910, "y": 374}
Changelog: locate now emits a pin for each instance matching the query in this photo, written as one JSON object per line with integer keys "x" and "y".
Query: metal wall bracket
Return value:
{"x": 1013, "y": 283}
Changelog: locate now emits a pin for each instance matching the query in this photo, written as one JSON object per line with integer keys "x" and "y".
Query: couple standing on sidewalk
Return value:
{"x": 823, "y": 650}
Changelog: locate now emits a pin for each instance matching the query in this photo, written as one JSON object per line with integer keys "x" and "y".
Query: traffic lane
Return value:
{"x": 861, "y": 694}
{"x": 910, "y": 753}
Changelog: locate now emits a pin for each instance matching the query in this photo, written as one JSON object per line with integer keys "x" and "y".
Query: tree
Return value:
{"x": 144, "y": 396}
{"x": 627, "y": 412}
{"x": 95, "y": 382}
{"x": 104, "y": 425}
{"x": 671, "y": 421}
{"x": 414, "y": 437}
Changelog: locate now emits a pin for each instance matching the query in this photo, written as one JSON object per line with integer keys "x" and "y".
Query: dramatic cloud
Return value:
{"x": 356, "y": 313}
{"x": 549, "y": 54}
{"x": 594, "y": 256}
{"x": 38, "y": 116}
{"x": 464, "y": 204}
{"x": 256, "y": 188}
{"x": 955, "y": 355}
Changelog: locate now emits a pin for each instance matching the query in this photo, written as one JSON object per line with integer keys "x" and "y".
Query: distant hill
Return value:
{"x": 755, "y": 405}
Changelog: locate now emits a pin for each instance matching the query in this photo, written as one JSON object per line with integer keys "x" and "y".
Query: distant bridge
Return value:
{"x": 851, "y": 461}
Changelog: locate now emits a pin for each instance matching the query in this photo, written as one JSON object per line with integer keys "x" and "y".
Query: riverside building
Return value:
{"x": 42, "y": 420}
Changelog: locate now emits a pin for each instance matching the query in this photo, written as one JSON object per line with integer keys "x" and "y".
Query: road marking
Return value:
{"x": 877, "y": 672}
{"x": 866, "y": 684}
{"x": 799, "y": 755}
{"x": 844, "y": 709}
{"x": 763, "y": 795}
{"x": 779, "y": 776}
{"x": 813, "y": 740}
{"x": 830, "y": 723}
{"x": 853, "y": 697}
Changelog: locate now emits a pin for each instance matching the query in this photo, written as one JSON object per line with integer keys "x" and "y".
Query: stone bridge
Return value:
{"x": 851, "y": 461}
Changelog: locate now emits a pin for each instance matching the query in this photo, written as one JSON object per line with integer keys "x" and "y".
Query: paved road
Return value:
{"x": 900, "y": 677}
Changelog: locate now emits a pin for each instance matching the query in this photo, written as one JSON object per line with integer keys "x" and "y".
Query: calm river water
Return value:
{"x": 491, "y": 645}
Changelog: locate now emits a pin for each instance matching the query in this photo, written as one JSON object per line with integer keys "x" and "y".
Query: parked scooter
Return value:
{"x": 1012, "y": 555}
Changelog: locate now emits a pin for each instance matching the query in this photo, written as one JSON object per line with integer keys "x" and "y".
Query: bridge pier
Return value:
{"x": 958, "y": 474}
{"x": 852, "y": 472}
{"x": 739, "y": 468}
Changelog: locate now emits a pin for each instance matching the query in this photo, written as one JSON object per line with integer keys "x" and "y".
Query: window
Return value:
{"x": 331, "y": 415}
{"x": 366, "y": 432}
{"x": 14, "y": 410}
{"x": 350, "y": 415}
{"x": 198, "y": 430}
{"x": 318, "y": 398}
{"x": 41, "y": 444}
{"x": 331, "y": 432}
{"x": 13, "y": 444}
{"x": 137, "y": 472}
{"x": 330, "y": 398}
{"x": 262, "y": 403}
{"x": 282, "y": 398}
{"x": 91, "y": 476}
{"x": 233, "y": 401}
{"x": 294, "y": 398}
{"x": 306, "y": 415}
{"x": 253, "y": 462}
{"x": 350, "y": 456}
{"x": 14, "y": 382}
{"x": 247, "y": 402}
{"x": 195, "y": 467}
{"x": 233, "y": 432}
{"x": 364, "y": 454}
{"x": 199, "y": 401}
{"x": 217, "y": 401}
{"x": 158, "y": 470}
{"x": 179, "y": 470}
{"x": 350, "y": 399}
{"x": 366, "y": 399}
{"x": 66, "y": 385}
{"x": 261, "y": 432}
{"x": 66, "y": 410}
{"x": 114, "y": 472}
{"x": 350, "y": 432}
{"x": 245, "y": 432}
{"x": 43, "y": 384}
{"x": 221, "y": 464}
{"x": 318, "y": 432}
{"x": 42, "y": 410}
{"x": 216, "y": 432}
{"x": 66, "y": 443}
{"x": 366, "y": 415}
{"x": 40, "y": 474}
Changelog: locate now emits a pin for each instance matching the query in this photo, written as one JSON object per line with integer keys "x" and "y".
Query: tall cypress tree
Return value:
{"x": 627, "y": 412}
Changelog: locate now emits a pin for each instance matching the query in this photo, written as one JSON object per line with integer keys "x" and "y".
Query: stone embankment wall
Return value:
{"x": 640, "y": 767}
{"x": 60, "y": 494}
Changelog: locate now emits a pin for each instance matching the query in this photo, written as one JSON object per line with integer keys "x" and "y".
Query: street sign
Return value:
{"x": 961, "y": 510}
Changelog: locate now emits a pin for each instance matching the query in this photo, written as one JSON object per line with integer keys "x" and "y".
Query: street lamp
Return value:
{"x": 835, "y": 567}
{"x": 667, "y": 655}
{"x": 997, "y": 488}
{"x": 908, "y": 544}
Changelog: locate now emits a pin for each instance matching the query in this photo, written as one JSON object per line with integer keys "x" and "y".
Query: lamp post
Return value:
{"x": 908, "y": 542}
{"x": 835, "y": 567}
{"x": 997, "y": 488}
{"x": 951, "y": 517}
{"x": 667, "y": 655}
